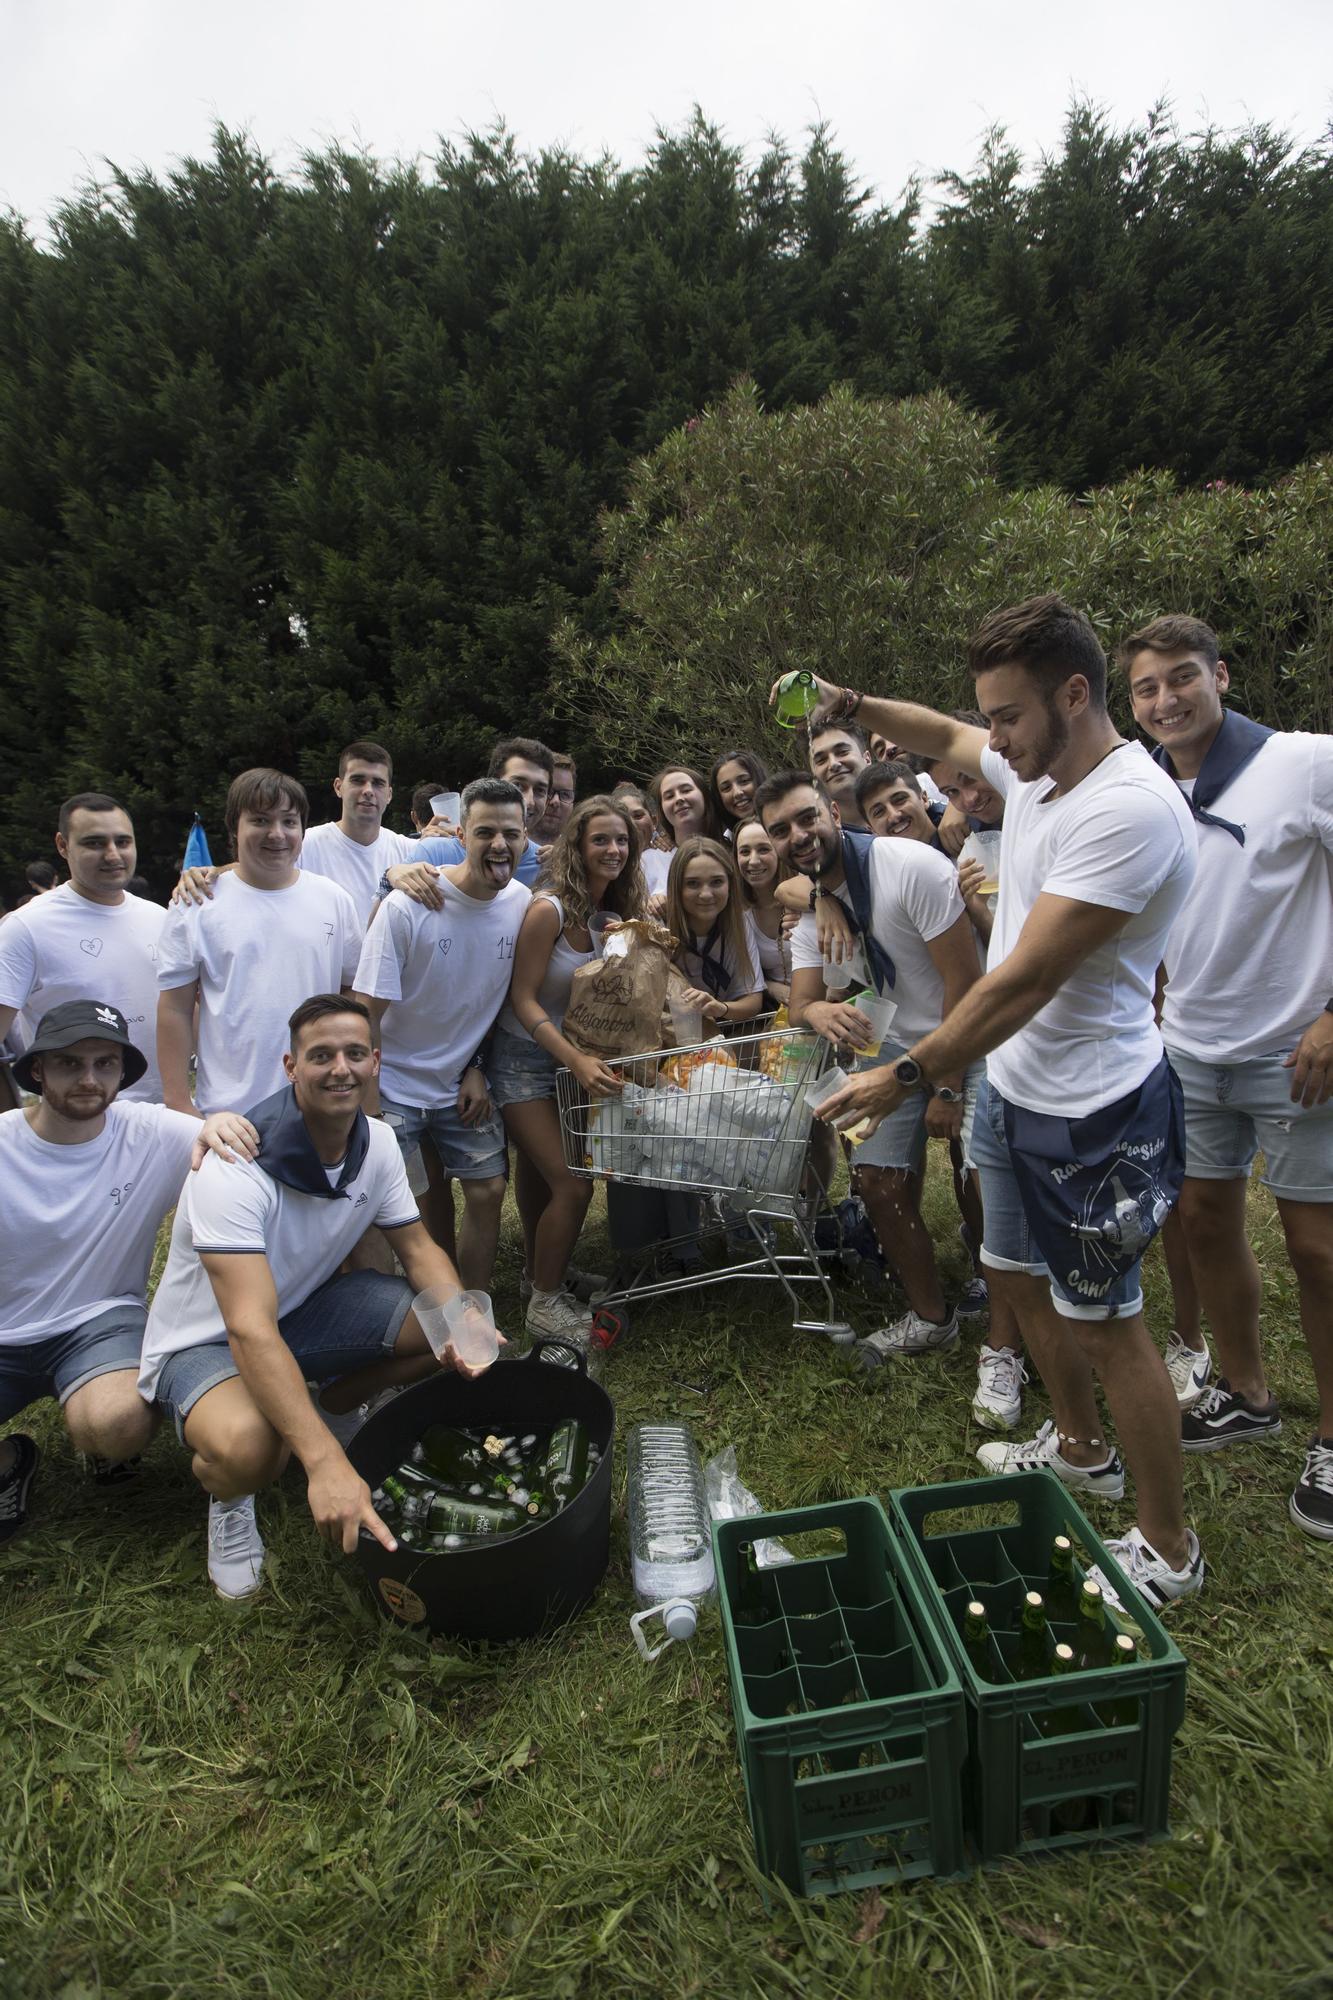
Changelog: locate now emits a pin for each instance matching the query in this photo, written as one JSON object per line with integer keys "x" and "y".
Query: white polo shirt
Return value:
{"x": 237, "y": 1207}
{"x": 328, "y": 851}
{"x": 913, "y": 899}
{"x": 257, "y": 954}
{"x": 81, "y": 1222}
{"x": 446, "y": 974}
{"x": 63, "y": 947}
{"x": 1122, "y": 838}
{"x": 1249, "y": 960}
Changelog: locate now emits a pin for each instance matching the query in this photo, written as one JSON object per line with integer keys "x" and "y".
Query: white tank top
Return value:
{"x": 553, "y": 993}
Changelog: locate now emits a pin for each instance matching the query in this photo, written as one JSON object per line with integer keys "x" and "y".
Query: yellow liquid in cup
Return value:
{"x": 856, "y": 1134}
{"x": 989, "y": 886}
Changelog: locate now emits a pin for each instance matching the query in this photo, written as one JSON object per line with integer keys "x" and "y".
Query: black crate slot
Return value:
{"x": 775, "y": 1694}
{"x": 832, "y": 1686}
{"x": 877, "y": 1628}
{"x": 889, "y": 1674}
{"x": 804, "y": 1590}
{"x": 818, "y": 1641}
{"x": 763, "y": 1649}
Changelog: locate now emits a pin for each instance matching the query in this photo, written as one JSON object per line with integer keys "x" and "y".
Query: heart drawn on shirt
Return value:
{"x": 93, "y": 946}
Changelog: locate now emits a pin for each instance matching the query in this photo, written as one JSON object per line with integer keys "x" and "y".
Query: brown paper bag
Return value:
{"x": 615, "y": 1004}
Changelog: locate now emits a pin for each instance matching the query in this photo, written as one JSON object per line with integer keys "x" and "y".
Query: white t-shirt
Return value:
{"x": 80, "y": 1222}
{"x": 445, "y": 974}
{"x": 236, "y": 1206}
{"x": 62, "y": 947}
{"x": 656, "y": 867}
{"x": 1249, "y": 959}
{"x": 257, "y": 954}
{"x": 328, "y": 851}
{"x": 1123, "y": 839}
{"x": 913, "y": 899}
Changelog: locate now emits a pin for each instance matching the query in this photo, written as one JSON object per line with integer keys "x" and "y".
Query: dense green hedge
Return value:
{"x": 287, "y": 460}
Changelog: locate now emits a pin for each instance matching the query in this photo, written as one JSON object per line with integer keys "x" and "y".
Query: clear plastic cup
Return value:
{"x": 879, "y": 1012}
{"x": 461, "y": 1320}
{"x": 447, "y": 805}
{"x": 985, "y": 848}
{"x": 828, "y": 1085}
{"x": 687, "y": 1023}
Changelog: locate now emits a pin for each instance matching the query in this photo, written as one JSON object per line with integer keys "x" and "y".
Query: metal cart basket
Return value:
{"x": 727, "y": 1120}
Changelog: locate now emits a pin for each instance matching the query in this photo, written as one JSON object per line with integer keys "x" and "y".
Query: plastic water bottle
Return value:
{"x": 671, "y": 1550}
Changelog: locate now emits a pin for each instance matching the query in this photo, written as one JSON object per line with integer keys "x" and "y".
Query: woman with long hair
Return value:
{"x": 654, "y": 853}
{"x": 732, "y": 783}
{"x": 760, "y": 871}
{"x": 718, "y": 951}
{"x": 593, "y": 867}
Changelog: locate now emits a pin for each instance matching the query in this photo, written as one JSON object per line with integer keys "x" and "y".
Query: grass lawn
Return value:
{"x": 293, "y": 1798}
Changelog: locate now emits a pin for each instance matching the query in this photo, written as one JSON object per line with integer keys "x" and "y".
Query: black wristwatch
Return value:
{"x": 910, "y": 1074}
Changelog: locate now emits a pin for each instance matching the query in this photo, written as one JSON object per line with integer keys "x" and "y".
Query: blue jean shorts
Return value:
{"x": 466, "y": 1152}
{"x": 350, "y": 1322}
{"x": 64, "y": 1362}
{"x": 518, "y": 1070}
{"x": 1234, "y": 1109}
{"x": 1009, "y": 1244}
{"x": 900, "y": 1139}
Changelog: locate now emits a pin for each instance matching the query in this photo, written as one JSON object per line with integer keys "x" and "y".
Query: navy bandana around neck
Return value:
{"x": 712, "y": 966}
{"x": 287, "y": 1151}
{"x": 1236, "y": 744}
{"x": 856, "y": 851}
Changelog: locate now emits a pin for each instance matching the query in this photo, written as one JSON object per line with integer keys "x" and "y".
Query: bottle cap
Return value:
{"x": 680, "y": 1619}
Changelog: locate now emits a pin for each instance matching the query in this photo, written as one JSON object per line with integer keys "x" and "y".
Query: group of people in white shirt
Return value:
{"x": 316, "y": 1049}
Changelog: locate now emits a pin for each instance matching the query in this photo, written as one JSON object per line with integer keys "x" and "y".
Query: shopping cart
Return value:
{"x": 726, "y": 1120}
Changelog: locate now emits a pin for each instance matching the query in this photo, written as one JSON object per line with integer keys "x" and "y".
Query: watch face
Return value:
{"x": 907, "y": 1072}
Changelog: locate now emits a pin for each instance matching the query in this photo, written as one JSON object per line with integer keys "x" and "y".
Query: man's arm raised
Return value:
{"x": 923, "y": 730}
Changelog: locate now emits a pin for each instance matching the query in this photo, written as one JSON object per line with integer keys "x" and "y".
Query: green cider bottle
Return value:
{"x": 798, "y": 697}
{"x": 475, "y": 1518}
{"x": 1033, "y": 1638}
{"x": 1092, "y": 1647}
{"x": 529, "y": 1500}
{"x": 751, "y": 1605}
{"x": 976, "y": 1639}
{"x": 1061, "y": 1583}
{"x": 564, "y": 1470}
{"x": 451, "y": 1457}
{"x": 1062, "y": 1721}
{"x": 1123, "y": 1713}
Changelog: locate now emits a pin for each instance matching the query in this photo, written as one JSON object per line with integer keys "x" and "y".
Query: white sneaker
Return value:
{"x": 582, "y": 1285}
{"x": 235, "y": 1551}
{"x": 909, "y": 1335}
{"x": 1044, "y": 1450}
{"x": 1157, "y": 1583}
{"x": 1001, "y": 1374}
{"x": 1190, "y": 1370}
{"x": 346, "y": 1423}
{"x": 559, "y": 1315}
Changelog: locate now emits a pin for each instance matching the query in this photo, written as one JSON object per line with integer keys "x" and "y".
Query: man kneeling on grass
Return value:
{"x": 251, "y": 1305}
{"x": 87, "y": 1179}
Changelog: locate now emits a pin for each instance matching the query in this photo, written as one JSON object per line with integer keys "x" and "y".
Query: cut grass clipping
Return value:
{"x": 294, "y": 1798}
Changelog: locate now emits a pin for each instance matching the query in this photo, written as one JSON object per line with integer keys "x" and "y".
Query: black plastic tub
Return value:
{"x": 513, "y": 1586}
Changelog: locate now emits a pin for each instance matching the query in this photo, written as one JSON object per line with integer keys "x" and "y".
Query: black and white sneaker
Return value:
{"x": 1311, "y": 1504}
{"x": 1221, "y": 1417}
{"x": 1156, "y": 1582}
{"x": 15, "y": 1483}
{"x": 113, "y": 1471}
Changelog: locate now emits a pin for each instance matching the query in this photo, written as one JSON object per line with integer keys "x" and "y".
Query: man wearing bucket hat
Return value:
{"x": 88, "y": 1177}
{"x": 252, "y": 1303}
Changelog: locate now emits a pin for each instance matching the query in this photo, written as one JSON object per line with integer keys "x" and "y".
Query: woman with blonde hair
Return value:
{"x": 718, "y": 947}
{"x": 592, "y": 868}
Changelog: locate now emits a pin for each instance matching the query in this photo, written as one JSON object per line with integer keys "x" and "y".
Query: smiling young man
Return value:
{"x": 355, "y": 849}
{"x": 91, "y": 934}
{"x": 252, "y": 1306}
{"x": 88, "y": 1175}
{"x": 433, "y": 981}
{"x": 560, "y": 800}
{"x": 1248, "y": 1022}
{"x": 838, "y": 755}
{"x": 914, "y": 944}
{"x": 1078, "y": 1133}
{"x": 266, "y": 937}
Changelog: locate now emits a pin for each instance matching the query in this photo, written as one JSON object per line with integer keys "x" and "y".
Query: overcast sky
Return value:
{"x": 906, "y": 89}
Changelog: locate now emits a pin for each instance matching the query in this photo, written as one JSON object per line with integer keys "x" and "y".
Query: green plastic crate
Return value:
{"x": 849, "y": 1716}
{"x": 1028, "y": 1791}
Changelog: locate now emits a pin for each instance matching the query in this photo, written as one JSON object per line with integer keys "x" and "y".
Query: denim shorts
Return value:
{"x": 518, "y": 1070}
{"x": 900, "y": 1139}
{"x": 64, "y": 1362}
{"x": 466, "y": 1152}
{"x": 1009, "y": 1244}
{"x": 351, "y": 1322}
{"x": 1234, "y": 1109}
